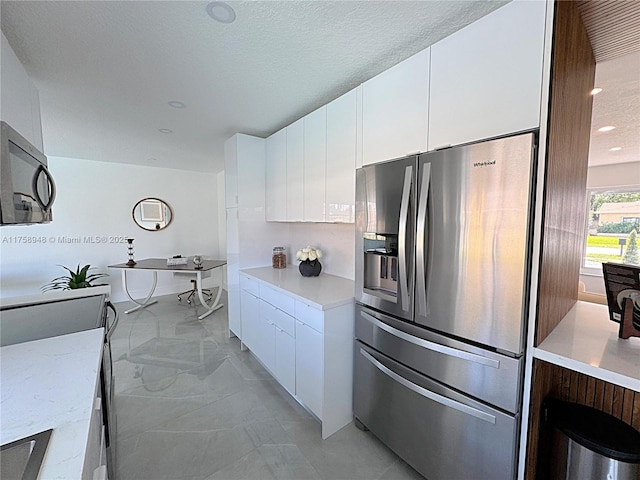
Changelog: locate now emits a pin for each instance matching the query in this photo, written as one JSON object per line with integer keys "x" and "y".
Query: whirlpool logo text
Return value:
{"x": 484, "y": 164}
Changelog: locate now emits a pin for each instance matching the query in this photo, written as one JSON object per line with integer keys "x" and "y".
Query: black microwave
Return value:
{"x": 27, "y": 190}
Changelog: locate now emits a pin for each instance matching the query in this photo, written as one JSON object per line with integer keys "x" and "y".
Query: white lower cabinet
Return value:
{"x": 95, "y": 459}
{"x": 307, "y": 349}
{"x": 309, "y": 362}
{"x": 285, "y": 360}
{"x": 249, "y": 313}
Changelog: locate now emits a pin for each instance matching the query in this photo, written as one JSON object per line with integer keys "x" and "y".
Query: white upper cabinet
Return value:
{"x": 251, "y": 174}
{"x": 315, "y": 161}
{"x": 244, "y": 165}
{"x": 19, "y": 97}
{"x": 341, "y": 158}
{"x": 295, "y": 171}
{"x": 231, "y": 172}
{"x": 276, "y": 177}
{"x": 486, "y": 79}
{"x": 395, "y": 110}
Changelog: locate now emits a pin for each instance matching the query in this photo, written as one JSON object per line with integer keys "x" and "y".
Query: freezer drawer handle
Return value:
{"x": 453, "y": 352}
{"x": 447, "y": 402}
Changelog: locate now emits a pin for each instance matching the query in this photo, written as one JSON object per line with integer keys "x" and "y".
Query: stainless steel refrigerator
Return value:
{"x": 442, "y": 269}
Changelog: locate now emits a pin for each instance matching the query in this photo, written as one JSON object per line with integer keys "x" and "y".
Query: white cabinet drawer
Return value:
{"x": 280, "y": 319}
{"x": 277, "y": 299}
{"x": 250, "y": 284}
{"x": 310, "y": 316}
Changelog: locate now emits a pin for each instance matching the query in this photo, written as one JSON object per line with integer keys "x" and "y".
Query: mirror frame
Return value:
{"x": 157, "y": 227}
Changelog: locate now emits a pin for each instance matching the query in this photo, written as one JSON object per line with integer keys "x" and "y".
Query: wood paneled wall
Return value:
{"x": 561, "y": 383}
{"x": 564, "y": 217}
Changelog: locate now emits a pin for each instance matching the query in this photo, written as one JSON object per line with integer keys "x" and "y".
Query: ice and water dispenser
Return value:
{"x": 381, "y": 263}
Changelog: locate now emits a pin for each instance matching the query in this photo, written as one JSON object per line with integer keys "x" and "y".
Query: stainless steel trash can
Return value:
{"x": 588, "y": 444}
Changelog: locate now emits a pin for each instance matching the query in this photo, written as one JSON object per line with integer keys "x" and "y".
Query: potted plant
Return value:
{"x": 77, "y": 279}
{"x": 309, "y": 261}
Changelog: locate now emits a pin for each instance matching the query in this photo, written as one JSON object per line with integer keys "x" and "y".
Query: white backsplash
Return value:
{"x": 336, "y": 240}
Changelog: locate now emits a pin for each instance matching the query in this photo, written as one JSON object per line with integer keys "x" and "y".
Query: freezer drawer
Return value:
{"x": 489, "y": 376}
{"x": 439, "y": 432}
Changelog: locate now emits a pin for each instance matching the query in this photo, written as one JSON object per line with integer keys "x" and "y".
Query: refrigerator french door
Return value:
{"x": 473, "y": 219}
{"x": 447, "y": 369}
{"x": 385, "y": 222}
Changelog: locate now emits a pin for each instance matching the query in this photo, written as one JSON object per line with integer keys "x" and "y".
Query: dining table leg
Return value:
{"x": 215, "y": 305}
{"x": 145, "y": 302}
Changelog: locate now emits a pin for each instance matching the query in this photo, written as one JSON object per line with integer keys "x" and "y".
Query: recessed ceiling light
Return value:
{"x": 615, "y": 149}
{"x": 608, "y": 128}
{"x": 165, "y": 130}
{"x": 221, "y": 12}
{"x": 176, "y": 104}
{"x": 596, "y": 91}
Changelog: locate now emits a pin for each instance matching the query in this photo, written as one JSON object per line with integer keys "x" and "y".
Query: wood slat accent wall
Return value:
{"x": 564, "y": 384}
{"x": 572, "y": 78}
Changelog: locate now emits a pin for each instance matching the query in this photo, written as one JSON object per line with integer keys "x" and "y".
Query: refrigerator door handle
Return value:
{"x": 436, "y": 347}
{"x": 421, "y": 286}
{"x": 402, "y": 239}
{"x": 461, "y": 407}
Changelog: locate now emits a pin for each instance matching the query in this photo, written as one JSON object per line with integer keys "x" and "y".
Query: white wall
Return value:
{"x": 94, "y": 200}
{"x": 336, "y": 241}
{"x": 617, "y": 175}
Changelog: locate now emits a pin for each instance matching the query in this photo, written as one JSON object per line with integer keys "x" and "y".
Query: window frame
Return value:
{"x": 584, "y": 270}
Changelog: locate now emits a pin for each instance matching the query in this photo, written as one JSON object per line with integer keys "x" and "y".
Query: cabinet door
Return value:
{"x": 285, "y": 360}
{"x": 315, "y": 160}
{"x": 395, "y": 110}
{"x": 231, "y": 172}
{"x": 251, "y": 177}
{"x": 486, "y": 78}
{"x": 295, "y": 169}
{"x": 16, "y": 96}
{"x": 249, "y": 314}
{"x": 233, "y": 277}
{"x": 276, "y": 177}
{"x": 341, "y": 158}
{"x": 266, "y": 345}
{"x": 309, "y": 367}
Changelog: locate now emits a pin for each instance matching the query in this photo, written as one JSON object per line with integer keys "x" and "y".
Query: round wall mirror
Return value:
{"x": 152, "y": 214}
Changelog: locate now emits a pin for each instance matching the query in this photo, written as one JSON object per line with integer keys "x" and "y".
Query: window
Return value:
{"x": 613, "y": 228}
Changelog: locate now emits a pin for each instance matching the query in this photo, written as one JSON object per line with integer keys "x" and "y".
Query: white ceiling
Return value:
{"x": 105, "y": 70}
{"x": 613, "y": 27}
{"x": 618, "y": 105}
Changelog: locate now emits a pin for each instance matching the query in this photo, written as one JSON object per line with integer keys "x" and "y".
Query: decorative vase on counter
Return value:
{"x": 310, "y": 268}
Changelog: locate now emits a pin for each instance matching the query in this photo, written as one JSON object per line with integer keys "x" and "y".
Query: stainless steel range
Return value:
{"x": 442, "y": 268}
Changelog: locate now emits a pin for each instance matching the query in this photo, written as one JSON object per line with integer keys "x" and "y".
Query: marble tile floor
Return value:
{"x": 191, "y": 405}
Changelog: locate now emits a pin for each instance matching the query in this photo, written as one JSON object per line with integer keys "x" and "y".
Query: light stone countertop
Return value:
{"x": 322, "y": 292}
{"x": 587, "y": 341}
{"x": 51, "y": 383}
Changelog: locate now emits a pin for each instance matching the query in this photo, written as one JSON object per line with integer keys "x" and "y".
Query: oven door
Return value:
{"x": 438, "y": 431}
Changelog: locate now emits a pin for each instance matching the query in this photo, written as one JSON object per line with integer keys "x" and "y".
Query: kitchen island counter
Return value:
{"x": 322, "y": 292}
{"x": 586, "y": 341}
{"x": 51, "y": 383}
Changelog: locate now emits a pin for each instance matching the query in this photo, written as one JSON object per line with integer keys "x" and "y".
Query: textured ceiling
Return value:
{"x": 613, "y": 27}
{"x": 617, "y": 105}
{"x": 105, "y": 70}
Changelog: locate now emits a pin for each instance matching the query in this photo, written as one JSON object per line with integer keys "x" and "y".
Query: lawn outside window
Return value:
{"x": 613, "y": 217}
